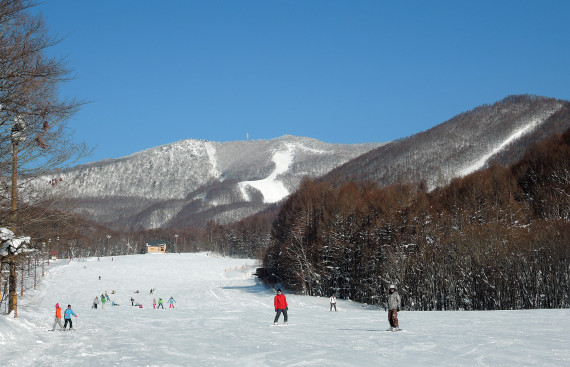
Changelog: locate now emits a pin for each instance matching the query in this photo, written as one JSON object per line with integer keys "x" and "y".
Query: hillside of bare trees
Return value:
{"x": 497, "y": 133}
{"x": 495, "y": 239}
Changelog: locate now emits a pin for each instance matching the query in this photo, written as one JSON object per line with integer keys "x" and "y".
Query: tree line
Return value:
{"x": 496, "y": 239}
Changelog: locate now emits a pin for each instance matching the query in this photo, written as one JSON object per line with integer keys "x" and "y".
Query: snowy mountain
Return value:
{"x": 470, "y": 141}
{"x": 190, "y": 182}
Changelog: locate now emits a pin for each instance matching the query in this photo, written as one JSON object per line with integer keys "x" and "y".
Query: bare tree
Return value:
{"x": 34, "y": 133}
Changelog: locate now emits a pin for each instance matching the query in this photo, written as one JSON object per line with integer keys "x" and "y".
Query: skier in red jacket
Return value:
{"x": 280, "y": 303}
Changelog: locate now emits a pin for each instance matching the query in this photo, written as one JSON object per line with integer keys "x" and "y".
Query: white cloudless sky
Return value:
{"x": 341, "y": 72}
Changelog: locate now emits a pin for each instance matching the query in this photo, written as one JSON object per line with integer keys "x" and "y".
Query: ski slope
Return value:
{"x": 223, "y": 318}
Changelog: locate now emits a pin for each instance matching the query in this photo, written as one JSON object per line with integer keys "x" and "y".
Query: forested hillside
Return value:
{"x": 495, "y": 239}
{"x": 497, "y": 133}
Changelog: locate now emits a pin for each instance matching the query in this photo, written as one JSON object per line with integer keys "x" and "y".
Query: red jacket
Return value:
{"x": 58, "y": 312}
{"x": 280, "y": 302}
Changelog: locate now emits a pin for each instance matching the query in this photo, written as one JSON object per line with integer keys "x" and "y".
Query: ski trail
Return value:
{"x": 516, "y": 135}
{"x": 272, "y": 189}
{"x": 211, "y": 150}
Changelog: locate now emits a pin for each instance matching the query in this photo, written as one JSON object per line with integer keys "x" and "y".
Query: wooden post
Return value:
{"x": 22, "y": 285}
{"x": 12, "y": 295}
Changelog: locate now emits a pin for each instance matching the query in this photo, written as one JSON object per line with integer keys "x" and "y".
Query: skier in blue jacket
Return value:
{"x": 67, "y": 316}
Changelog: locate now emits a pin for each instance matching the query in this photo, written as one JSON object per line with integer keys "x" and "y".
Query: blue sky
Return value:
{"x": 155, "y": 72}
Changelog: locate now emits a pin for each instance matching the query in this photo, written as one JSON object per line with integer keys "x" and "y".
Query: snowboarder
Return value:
{"x": 57, "y": 320}
{"x": 95, "y": 302}
{"x": 67, "y": 316}
{"x": 333, "y": 302}
{"x": 280, "y": 303}
{"x": 172, "y": 302}
{"x": 394, "y": 303}
{"x": 154, "y": 303}
{"x": 160, "y": 303}
{"x": 103, "y": 301}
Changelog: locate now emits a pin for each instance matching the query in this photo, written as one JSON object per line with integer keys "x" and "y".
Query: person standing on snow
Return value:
{"x": 333, "y": 302}
{"x": 103, "y": 301}
{"x": 280, "y": 303}
{"x": 394, "y": 303}
{"x": 160, "y": 303}
{"x": 154, "y": 303}
{"x": 67, "y": 316}
{"x": 95, "y": 302}
{"x": 172, "y": 302}
{"x": 57, "y": 320}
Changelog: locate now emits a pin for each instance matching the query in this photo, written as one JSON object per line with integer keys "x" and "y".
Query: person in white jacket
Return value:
{"x": 333, "y": 302}
{"x": 394, "y": 303}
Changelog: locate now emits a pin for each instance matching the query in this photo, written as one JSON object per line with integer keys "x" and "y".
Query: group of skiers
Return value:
{"x": 280, "y": 303}
{"x": 104, "y": 299}
{"x": 66, "y": 315}
{"x": 394, "y": 304}
{"x": 160, "y": 304}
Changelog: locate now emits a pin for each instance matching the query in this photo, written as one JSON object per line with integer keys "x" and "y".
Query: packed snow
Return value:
{"x": 223, "y": 316}
{"x": 270, "y": 187}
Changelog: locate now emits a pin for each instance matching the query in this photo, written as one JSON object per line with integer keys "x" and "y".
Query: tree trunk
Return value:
{"x": 13, "y": 294}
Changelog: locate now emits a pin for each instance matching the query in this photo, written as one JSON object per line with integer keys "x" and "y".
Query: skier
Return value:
{"x": 107, "y": 296}
{"x": 172, "y": 302}
{"x": 160, "y": 303}
{"x": 132, "y": 301}
{"x": 103, "y": 301}
{"x": 333, "y": 302}
{"x": 57, "y": 320}
{"x": 95, "y": 302}
{"x": 280, "y": 303}
{"x": 154, "y": 303}
{"x": 394, "y": 303}
{"x": 67, "y": 316}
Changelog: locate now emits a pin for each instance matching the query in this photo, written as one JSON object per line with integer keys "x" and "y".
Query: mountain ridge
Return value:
{"x": 191, "y": 182}
{"x": 148, "y": 189}
{"x": 453, "y": 148}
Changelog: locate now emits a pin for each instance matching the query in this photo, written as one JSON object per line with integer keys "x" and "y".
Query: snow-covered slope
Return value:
{"x": 224, "y": 318}
{"x": 470, "y": 141}
{"x": 151, "y": 188}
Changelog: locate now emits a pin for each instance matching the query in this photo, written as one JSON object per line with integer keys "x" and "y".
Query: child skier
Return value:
{"x": 95, "y": 302}
{"x": 154, "y": 303}
{"x": 160, "y": 303}
{"x": 172, "y": 302}
{"x": 67, "y": 316}
{"x": 57, "y": 320}
{"x": 103, "y": 301}
{"x": 394, "y": 303}
{"x": 280, "y": 303}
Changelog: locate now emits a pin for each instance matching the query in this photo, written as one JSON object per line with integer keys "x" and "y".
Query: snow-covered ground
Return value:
{"x": 272, "y": 189}
{"x": 223, "y": 318}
